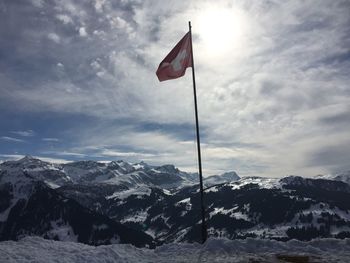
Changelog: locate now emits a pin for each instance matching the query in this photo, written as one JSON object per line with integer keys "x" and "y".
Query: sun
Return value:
{"x": 219, "y": 29}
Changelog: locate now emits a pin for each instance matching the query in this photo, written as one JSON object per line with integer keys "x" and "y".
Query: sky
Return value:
{"x": 77, "y": 82}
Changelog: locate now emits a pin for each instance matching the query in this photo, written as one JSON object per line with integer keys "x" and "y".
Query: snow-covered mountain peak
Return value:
{"x": 232, "y": 175}
{"x": 344, "y": 177}
{"x": 122, "y": 167}
{"x": 345, "y": 173}
{"x": 34, "y": 169}
{"x": 168, "y": 168}
{"x": 223, "y": 178}
{"x": 319, "y": 183}
{"x": 28, "y": 158}
{"x": 142, "y": 166}
{"x": 340, "y": 176}
{"x": 27, "y": 162}
{"x": 292, "y": 180}
{"x": 86, "y": 165}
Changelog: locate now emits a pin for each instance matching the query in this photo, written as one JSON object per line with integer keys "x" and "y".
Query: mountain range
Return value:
{"x": 119, "y": 202}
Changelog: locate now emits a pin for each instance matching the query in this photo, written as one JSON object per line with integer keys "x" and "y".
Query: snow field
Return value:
{"x": 35, "y": 249}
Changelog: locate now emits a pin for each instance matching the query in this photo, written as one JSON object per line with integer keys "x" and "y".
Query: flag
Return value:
{"x": 175, "y": 63}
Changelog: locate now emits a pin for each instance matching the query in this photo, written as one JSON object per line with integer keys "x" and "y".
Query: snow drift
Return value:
{"x": 35, "y": 249}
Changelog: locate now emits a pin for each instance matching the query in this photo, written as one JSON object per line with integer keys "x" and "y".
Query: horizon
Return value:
{"x": 78, "y": 82}
{"x": 56, "y": 161}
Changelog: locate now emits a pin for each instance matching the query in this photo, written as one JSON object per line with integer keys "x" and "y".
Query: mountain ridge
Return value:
{"x": 164, "y": 202}
{"x": 114, "y": 172}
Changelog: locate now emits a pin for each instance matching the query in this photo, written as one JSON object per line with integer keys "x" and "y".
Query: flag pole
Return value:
{"x": 204, "y": 227}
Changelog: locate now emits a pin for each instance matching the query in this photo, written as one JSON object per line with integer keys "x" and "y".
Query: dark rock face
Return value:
{"x": 45, "y": 212}
{"x": 5, "y": 196}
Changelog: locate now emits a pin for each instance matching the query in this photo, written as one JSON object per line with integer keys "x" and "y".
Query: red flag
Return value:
{"x": 175, "y": 63}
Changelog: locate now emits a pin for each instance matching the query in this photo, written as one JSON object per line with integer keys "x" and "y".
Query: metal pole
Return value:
{"x": 204, "y": 227}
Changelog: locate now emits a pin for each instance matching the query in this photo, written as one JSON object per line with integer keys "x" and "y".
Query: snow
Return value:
{"x": 267, "y": 231}
{"x": 316, "y": 210}
{"x": 75, "y": 173}
{"x": 137, "y": 166}
{"x": 232, "y": 212}
{"x": 139, "y": 216}
{"x": 343, "y": 176}
{"x": 187, "y": 203}
{"x": 167, "y": 192}
{"x": 164, "y": 218}
{"x": 212, "y": 189}
{"x": 62, "y": 231}
{"x": 186, "y": 200}
{"x": 51, "y": 184}
{"x": 267, "y": 183}
{"x": 221, "y": 210}
{"x": 240, "y": 215}
{"x": 138, "y": 191}
{"x": 35, "y": 249}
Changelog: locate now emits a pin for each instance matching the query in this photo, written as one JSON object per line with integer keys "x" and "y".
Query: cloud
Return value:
{"x": 54, "y": 37}
{"x": 11, "y": 139}
{"x": 65, "y": 19}
{"x": 99, "y": 4}
{"x": 332, "y": 155}
{"x": 38, "y": 3}
{"x": 82, "y": 32}
{"x": 50, "y": 139}
{"x": 27, "y": 133}
{"x": 338, "y": 118}
{"x": 52, "y": 160}
{"x": 11, "y": 156}
{"x": 64, "y": 153}
{"x": 266, "y": 100}
{"x": 114, "y": 153}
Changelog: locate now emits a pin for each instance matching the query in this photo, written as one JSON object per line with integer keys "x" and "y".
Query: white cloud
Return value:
{"x": 65, "y": 19}
{"x": 50, "y": 139}
{"x": 99, "y": 5}
{"x": 54, "y": 37}
{"x": 52, "y": 160}
{"x": 28, "y": 133}
{"x": 114, "y": 153}
{"x": 38, "y": 3}
{"x": 82, "y": 32}
{"x": 11, "y": 139}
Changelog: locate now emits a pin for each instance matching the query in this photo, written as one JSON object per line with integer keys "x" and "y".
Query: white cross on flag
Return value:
{"x": 175, "y": 63}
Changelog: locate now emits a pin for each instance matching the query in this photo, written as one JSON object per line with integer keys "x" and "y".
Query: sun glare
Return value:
{"x": 220, "y": 29}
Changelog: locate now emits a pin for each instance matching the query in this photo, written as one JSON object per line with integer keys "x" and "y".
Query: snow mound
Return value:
{"x": 34, "y": 249}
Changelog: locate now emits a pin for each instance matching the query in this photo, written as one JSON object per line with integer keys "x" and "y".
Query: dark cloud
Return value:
{"x": 343, "y": 57}
{"x": 269, "y": 87}
{"x": 336, "y": 120}
{"x": 335, "y": 157}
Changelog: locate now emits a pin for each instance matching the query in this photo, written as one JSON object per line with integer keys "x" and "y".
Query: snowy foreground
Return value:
{"x": 35, "y": 249}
